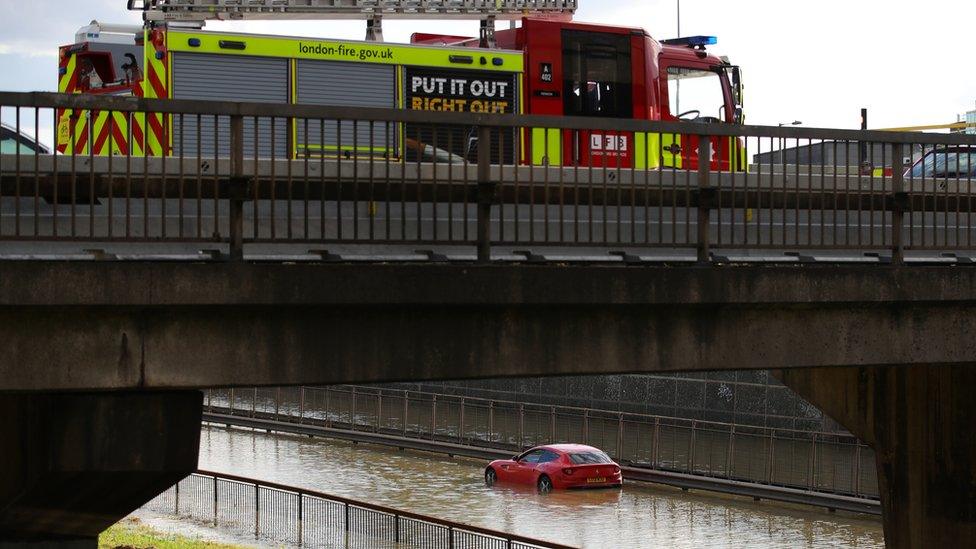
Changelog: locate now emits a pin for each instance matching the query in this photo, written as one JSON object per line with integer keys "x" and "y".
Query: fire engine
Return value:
{"x": 549, "y": 65}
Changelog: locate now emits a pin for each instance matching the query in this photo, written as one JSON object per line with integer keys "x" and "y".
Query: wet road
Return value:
{"x": 637, "y": 516}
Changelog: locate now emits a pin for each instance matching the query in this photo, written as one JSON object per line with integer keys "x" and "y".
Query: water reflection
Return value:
{"x": 636, "y": 516}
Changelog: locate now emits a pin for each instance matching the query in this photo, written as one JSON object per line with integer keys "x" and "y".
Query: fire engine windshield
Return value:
{"x": 696, "y": 95}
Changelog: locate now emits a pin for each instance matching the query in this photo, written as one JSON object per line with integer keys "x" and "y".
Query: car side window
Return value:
{"x": 531, "y": 457}
{"x": 548, "y": 456}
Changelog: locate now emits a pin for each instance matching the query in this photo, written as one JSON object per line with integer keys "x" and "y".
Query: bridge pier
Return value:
{"x": 919, "y": 420}
{"x": 73, "y": 464}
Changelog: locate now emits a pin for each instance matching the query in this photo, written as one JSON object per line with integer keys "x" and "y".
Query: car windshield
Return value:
{"x": 946, "y": 163}
{"x": 587, "y": 458}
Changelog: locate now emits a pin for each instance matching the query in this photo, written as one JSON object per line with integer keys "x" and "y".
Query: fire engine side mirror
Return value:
{"x": 737, "y": 116}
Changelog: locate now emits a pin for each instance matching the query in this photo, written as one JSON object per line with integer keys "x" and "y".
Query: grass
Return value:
{"x": 132, "y": 534}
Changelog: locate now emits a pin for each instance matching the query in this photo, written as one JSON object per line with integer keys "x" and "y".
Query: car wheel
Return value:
{"x": 491, "y": 477}
{"x": 545, "y": 484}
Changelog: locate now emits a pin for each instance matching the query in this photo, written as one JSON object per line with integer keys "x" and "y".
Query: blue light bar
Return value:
{"x": 692, "y": 41}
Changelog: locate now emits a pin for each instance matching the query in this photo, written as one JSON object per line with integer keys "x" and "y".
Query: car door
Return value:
{"x": 525, "y": 467}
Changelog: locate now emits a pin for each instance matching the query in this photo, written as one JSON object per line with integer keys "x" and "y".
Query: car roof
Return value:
{"x": 569, "y": 448}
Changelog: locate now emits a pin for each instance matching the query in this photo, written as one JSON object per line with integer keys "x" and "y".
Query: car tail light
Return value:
{"x": 568, "y": 471}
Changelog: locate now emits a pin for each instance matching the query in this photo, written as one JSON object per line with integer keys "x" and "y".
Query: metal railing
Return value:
{"x": 279, "y": 514}
{"x": 823, "y": 462}
{"x": 236, "y": 174}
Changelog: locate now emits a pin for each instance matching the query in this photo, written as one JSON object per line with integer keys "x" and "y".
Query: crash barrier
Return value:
{"x": 830, "y": 463}
{"x": 226, "y": 175}
{"x": 277, "y": 514}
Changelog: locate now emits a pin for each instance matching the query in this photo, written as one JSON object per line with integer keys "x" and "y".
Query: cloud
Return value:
{"x": 27, "y": 50}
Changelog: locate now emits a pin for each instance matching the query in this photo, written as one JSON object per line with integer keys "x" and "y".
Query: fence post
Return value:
{"x": 856, "y": 481}
{"x": 238, "y": 188}
{"x": 620, "y": 437}
{"x": 352, "y": 410}
{"x": 177, "y": 497}
{"x": 655, "y": 442}
{"x": 461, "y": 422}
{"x": 406, "y": 410}
{"x": 254, "y": 403}
{"x": 491, "y": 421}
{"x": 586, "y": 426}
{"x": 692, "y": 445}
{"x": 301, "y": 520}
{"x": 257, "y": 511}
{"x": 433, "y": 416}
{"x": 215, "y": 501}
{"x": 277, "y": 402}
{"x": 899, "y": 203}
{"x": 521, "y": 425}
{"x": 233, "y": 401}
{"x": 301, "y": 404}
{"x": 770, "y": 456}
{"x": 379, "y": 410}
{"x": 347, "y": 515}
{"x": 706, "y": 195}
{"x": 552, "y": 425}
{"x": 730, "y": 452}
{"x": 486, "y": 194}
{"x": 813, "y": 460}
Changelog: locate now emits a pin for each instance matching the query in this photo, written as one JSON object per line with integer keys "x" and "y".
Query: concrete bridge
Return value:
{"x": 111, "y": 319}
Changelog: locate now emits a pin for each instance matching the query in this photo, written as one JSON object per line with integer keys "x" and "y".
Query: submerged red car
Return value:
{"x": 557, "y": 466}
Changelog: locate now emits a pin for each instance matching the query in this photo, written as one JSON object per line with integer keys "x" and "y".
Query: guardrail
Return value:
{"x": 231, "y": 174}
{"x": 284, "y": 514}
{"x": 829, "y": 463}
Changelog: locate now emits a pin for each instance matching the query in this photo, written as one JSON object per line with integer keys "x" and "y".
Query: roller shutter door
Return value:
{"x": 229, "y": 78}
{"x": 341, "y": 84}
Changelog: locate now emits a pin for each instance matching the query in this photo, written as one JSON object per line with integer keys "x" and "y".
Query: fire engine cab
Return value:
{"x": 549, "y": 65}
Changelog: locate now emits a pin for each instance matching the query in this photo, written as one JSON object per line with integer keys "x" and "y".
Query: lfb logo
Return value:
{"x": 608, "y": 143}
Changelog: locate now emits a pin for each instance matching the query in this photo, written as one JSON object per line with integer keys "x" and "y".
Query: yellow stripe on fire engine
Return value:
{"x": 671, "y": 150}
{"x": 342, "y": 50}
{"x": 647, "y": 151}
{"x": 547, "y": 147}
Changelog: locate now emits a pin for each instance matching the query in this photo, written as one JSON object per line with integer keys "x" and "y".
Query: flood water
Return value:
{"x": 636, "y": 516}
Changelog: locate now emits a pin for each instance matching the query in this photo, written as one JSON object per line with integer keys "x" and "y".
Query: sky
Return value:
{"x": 818, "y": 62}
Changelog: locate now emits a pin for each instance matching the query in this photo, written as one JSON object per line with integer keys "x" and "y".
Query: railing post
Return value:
{"x": 813, "y": 461}
{"x": 521, "y": 425}
{"x": 177, "y": 497}
{"x": 486, "y": 194}
{"x": 352, "y": 410}
{"x": 301, "y": 520}
{"x": 215, "y": 501}
{"x": 692, "y": 445}
{"x": 277, "y": 402}
{"x": 238, "y": 188}
{"x": 301, "y": 404}
{"x": 706, "y": 195}
{"x": 770, "y": 456}
{"x": 461, "y": 422}
{"x": 856, "y": 481}
{"x": 254, "y": 403}
{"x": 730, "y": 452}
{"x": 346, "y": 504}
{"x": 552, "y": 425}
{"x": 433, "y": 416}
{"x": 379, "y": 411}
{"x": 620, "y": 437}
{"x": 899, "y": 203}
{"x": 257, "y": 511}
{"x": 491, "y": 421}
{"x": 406, "y": 410}
{"x": 233, "y": 401}
{"x": 586, "y": 426}
{"x": 655, "y": 442}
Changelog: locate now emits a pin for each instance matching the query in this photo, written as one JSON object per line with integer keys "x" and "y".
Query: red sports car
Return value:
{"x": 557, "y": 466}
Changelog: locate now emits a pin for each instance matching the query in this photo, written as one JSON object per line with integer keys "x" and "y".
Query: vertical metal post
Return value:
{"x": 301, "y": 404}
{"x": 277, "y": 402}
{"x": 233, "y": 401}
{"x": 705, "y": 195}
{"x": 486, "y": 194}
{"x": 352, "y": 410}
{"x": 552, "y": 425}
{"x": 899, "y": 203}
{"x": 379, "y": 411}
{"x": 620, "y": 437}
{"x": 813, "y": 460}
{"x": 396, "y": 528}
{"x": 301, "y": 516}
{"x": 586, "y": 426}
{"x": 655, "y": 442}
{"x": 254, "y": 403}
{"x": 347, "y": 515}
{"x": 692, "y": 446}
{"x": 237, "y": 188}
{"x": 215, "y": 501}
{"x": 257, "y": 511}
{"x": 729, "y": 452}
{"x": 461, "y": 422}
{"x": 491, "y": 421}
{"x": 406, "y": 409}
{"x": 177, "y": 497}
{"x": 770, "y": 456}
{"x": 521, "y": 425}
{"x": 856, "y": 481}
{"x": 433, "y": 416}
